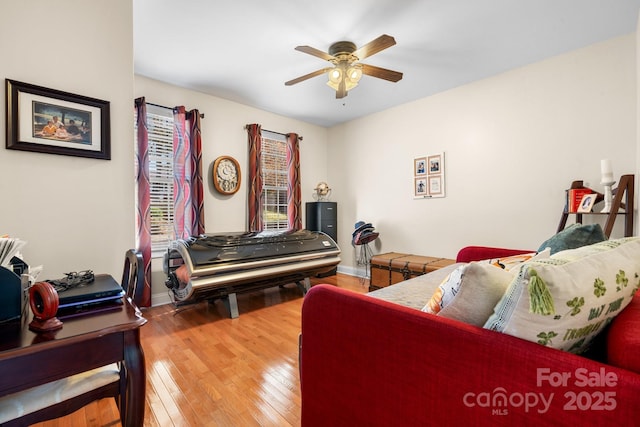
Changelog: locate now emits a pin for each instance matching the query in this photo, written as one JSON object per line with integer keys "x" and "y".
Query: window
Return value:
{"x": 160, "y": 128}
{"x": 274, "y": 181}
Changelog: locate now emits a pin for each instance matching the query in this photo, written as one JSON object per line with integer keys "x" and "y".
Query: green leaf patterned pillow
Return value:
{"x": 565, "y": 301}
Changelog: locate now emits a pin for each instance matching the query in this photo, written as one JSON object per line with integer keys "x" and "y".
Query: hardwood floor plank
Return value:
{"x": 205, "y": 369}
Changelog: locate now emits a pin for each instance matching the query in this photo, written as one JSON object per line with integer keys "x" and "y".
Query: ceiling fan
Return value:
{"x": 347, "y": 68}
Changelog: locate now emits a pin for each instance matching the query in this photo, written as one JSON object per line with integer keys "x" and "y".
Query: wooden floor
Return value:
{"x": 205, "y": 369}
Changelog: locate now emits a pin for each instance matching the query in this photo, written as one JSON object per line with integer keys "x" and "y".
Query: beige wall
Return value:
{"x": 75, "y": 213}
{"x": 512, "y": 144}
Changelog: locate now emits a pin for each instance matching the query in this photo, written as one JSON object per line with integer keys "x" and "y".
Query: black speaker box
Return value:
{"x": 13, "y": 294}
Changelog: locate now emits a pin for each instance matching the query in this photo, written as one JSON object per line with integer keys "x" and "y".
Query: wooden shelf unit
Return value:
{"x": 624, "y": 191}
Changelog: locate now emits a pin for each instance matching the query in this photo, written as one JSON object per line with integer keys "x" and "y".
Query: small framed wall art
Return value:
{"x": 428, "y": 176}
{"x": 51, "y": 121}
{"x": 420, "y": 165}
{"x": 420, "y": 186}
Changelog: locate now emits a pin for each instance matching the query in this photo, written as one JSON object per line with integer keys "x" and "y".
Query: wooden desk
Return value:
{"x": 85, "y": 342}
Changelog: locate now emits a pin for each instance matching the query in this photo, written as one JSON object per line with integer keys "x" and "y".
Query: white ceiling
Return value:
{"x": 243, "y": 50}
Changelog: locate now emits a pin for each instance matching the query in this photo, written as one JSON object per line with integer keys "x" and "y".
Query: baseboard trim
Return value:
{"x": 351, "y": 271}
{"x": 160, "y": 299}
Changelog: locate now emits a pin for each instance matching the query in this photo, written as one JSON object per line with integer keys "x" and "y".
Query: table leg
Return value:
{"x": 231, "y": 301}
{"x": 136, "y": 384}
{"x": 304, "y": 286}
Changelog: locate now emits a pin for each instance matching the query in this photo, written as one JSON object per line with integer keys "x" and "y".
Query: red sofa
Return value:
{"x": 368, "y": 362}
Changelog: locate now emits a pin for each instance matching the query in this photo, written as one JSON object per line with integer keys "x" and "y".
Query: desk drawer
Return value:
{"x": 41, "y": 365}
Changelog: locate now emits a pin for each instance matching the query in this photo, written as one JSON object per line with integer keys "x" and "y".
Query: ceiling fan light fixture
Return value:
{"x": 335, "y": 75}
{"x": 348, "y": 85}
{"x": 351, "y": 76}
{"x": 354, "y": 74}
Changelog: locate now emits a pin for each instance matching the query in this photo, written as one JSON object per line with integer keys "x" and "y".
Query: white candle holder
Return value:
{"x": 608, "y": 196}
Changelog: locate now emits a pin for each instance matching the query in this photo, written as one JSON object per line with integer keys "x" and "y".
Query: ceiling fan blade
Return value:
{"x": 381, "y": 73}
{"x": 316, "y": 52}
{"x": 307, "y": 76}
{"x": 375, "y": 46}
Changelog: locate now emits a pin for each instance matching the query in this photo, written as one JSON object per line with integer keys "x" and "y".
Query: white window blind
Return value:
{"x": 160, "y": 128}
{"x": 274, "y": 181}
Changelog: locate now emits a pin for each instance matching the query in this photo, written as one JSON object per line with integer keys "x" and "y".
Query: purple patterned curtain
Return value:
{"x": 197, "y": 201}
{"x": 255, "y": 177}
{"x": 143, "y": 194}
{"x": 294, "y": 211}
{"x": 188, "y": 216}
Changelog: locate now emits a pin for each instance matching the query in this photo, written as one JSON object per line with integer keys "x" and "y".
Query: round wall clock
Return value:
{"x": 226, "y": 175}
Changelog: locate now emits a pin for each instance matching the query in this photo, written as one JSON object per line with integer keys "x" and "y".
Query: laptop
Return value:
{"x": 103, "y": 290}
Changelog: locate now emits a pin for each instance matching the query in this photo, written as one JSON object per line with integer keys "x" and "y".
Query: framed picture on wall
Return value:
{"x": 435, "y": 185}
{"x": 420, "y": 166}
{"x": 428, "y": 176}
{"x": 420, "y": 187}
{"x": 55, "y": 122}
{"x": 435, "y": 164}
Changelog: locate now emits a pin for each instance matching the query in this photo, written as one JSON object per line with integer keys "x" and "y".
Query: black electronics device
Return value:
{"x": 14, "y": 295}
{"x": 103, "y": 289}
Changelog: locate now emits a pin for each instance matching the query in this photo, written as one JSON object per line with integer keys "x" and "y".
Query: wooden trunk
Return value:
{"x": 394, "y": 267}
